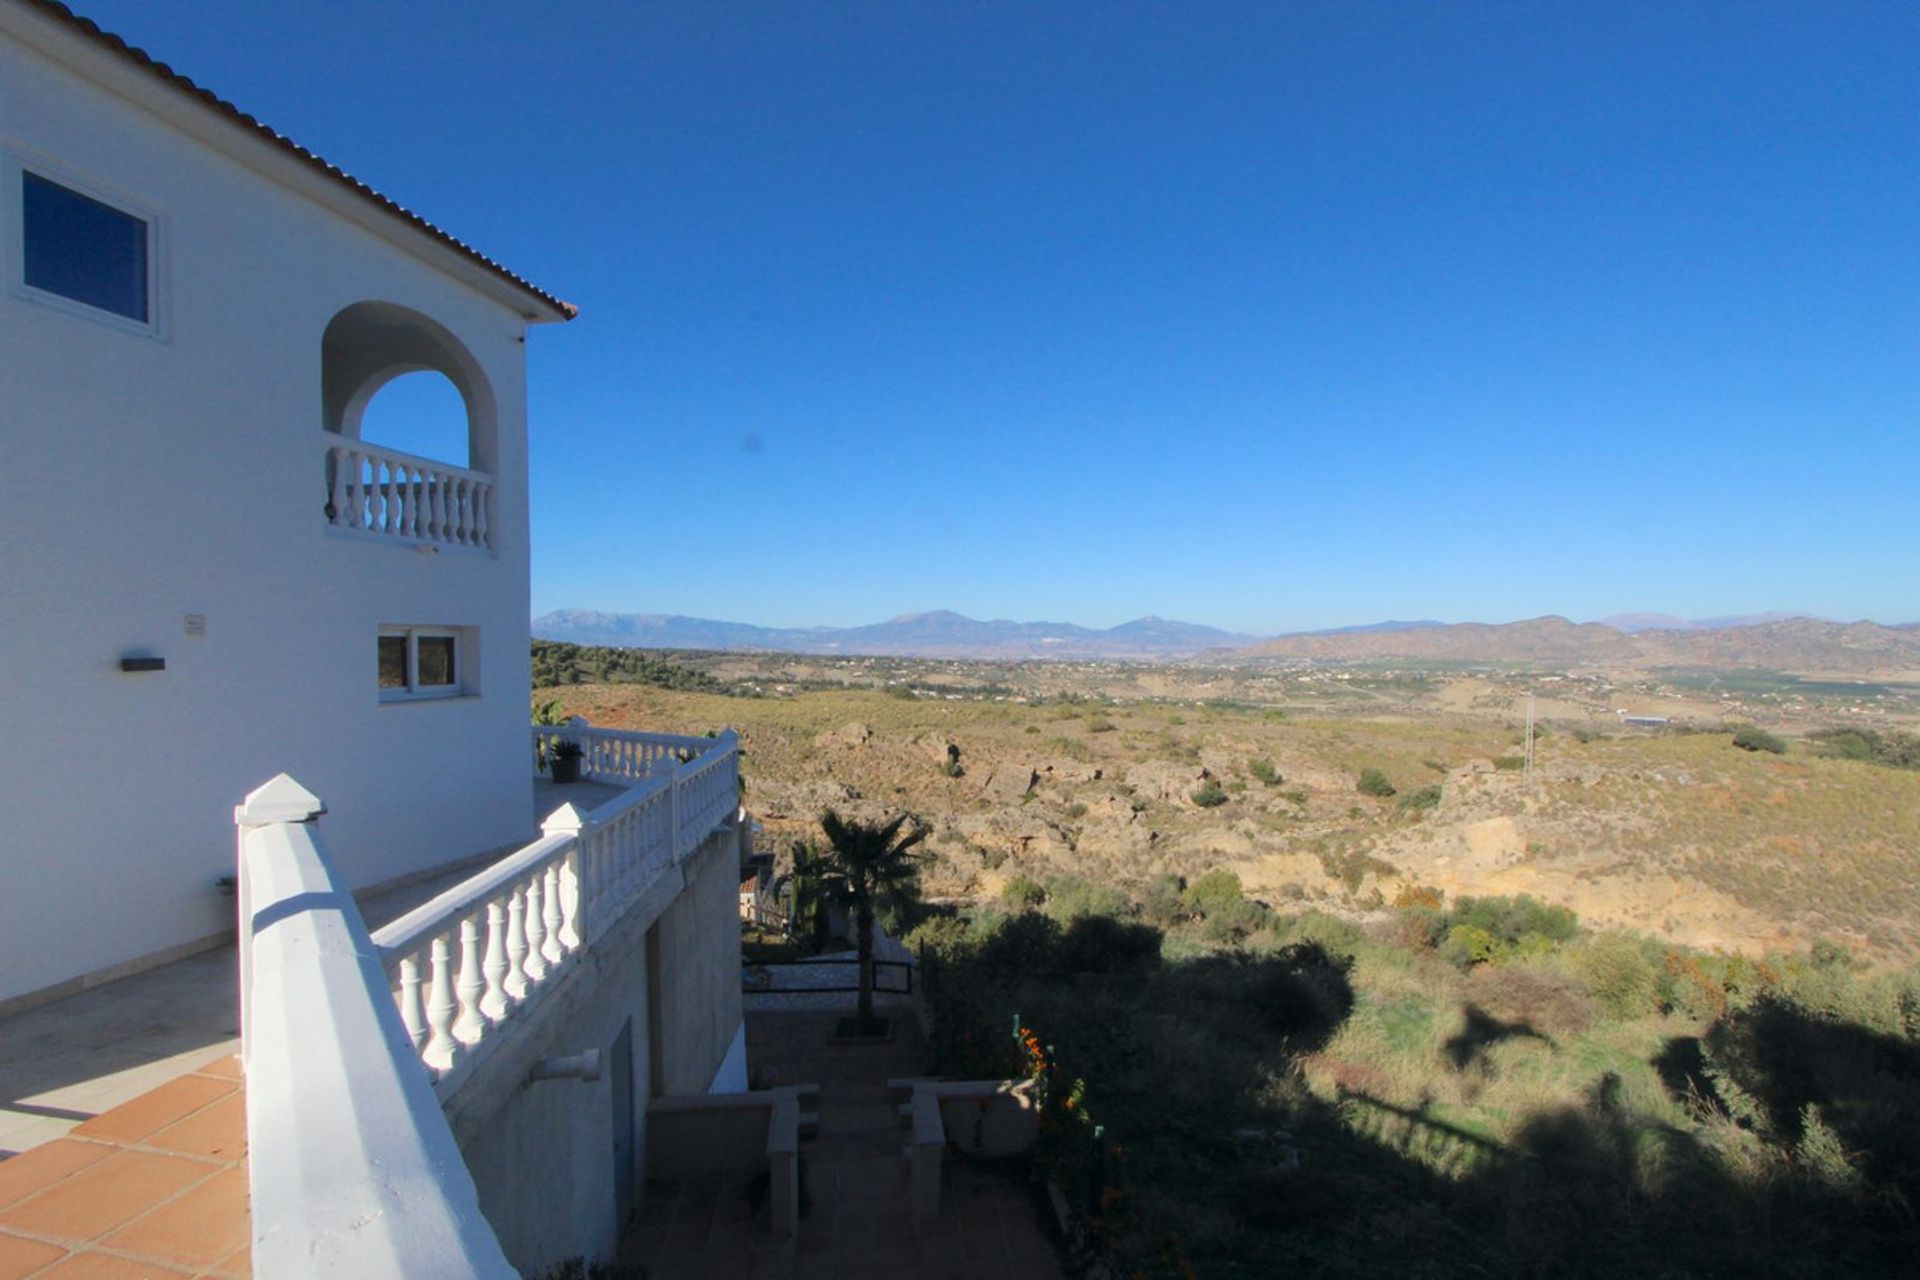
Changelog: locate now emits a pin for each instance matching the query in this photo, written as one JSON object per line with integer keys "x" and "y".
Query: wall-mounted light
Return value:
{"x": 141, "y": 662}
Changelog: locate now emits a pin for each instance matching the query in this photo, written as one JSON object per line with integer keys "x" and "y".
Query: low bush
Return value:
{"x": 1374, "y": 783}
{"x": 1022, "y": 893}
{"x": 1262, "y": 770}
{"x": 1070, "y": 898}
{"x": 1752, "y": 738}
{"x": 1620, "y": 975}
{"x": 1211, "y": 795}
{"x": 1419, "y": 801}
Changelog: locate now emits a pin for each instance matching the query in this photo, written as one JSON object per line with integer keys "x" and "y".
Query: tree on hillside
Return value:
{"x": 873, "y": 865}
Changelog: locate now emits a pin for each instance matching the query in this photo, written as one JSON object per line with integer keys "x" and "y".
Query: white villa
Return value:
{"x": 215, "y": 593}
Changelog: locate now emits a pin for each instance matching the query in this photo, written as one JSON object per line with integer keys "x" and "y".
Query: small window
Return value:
{"x": 420, "y": 662}
{"x": 78, "y": 248}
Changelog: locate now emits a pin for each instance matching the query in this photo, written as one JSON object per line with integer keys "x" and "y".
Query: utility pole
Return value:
{"x": 1529, "y": 739}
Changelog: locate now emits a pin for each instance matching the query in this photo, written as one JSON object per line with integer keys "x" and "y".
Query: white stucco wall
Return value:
{"x": 146, "y": 478}
{"x": 541, "y": 1154}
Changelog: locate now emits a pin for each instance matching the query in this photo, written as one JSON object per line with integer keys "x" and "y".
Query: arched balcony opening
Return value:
{"x": 412, "y": 429}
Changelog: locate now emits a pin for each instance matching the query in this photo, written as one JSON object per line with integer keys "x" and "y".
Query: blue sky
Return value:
{"x": 1271, "y": 316}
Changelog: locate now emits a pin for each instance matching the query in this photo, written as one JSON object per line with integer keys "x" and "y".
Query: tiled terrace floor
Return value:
{"x": 74, "y": 1058}
{"x": 156, "y": 1187}
{"x": 857, "y": 1223}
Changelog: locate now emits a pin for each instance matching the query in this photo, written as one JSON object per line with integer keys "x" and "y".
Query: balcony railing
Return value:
{"x": 384, "y": 491}
{"x": 353, "y": 1043}
{"x": 481, "y": 954}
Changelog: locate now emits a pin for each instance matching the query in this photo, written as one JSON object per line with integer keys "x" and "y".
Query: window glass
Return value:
{"x": 82, "y": 249}
{"x": 393, "y": 662}
{"x": 436, "y": 661}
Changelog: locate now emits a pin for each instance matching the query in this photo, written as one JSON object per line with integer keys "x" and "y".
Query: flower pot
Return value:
{"x": 564, "y": 768}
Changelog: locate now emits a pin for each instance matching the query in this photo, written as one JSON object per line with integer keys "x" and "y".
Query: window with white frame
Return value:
{"x": 76, "y": 247}
{"x": 422, "y": 662}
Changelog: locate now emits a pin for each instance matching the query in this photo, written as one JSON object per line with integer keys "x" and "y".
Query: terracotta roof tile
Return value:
{"x": 166, "y": 74}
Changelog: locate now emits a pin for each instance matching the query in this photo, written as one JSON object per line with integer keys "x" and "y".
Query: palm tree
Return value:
{"x": 873, "y": 865}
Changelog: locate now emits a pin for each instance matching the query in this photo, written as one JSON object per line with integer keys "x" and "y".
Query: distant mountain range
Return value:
{"x": 1777, "y": 641}
{"x": 1787, "y": 644}
{"x": 940, "y": 634}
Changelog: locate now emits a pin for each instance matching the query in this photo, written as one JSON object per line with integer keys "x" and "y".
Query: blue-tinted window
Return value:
{"x": 84, "y": 250}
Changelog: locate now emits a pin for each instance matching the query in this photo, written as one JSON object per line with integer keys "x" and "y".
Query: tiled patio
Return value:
{"x": 856, "y": 1222}
{"x": 67, "y": 1061}
{"x": 155, "y": 1187}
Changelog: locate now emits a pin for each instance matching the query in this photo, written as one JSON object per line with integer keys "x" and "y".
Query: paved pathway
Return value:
{"x": 856, "y": 1222}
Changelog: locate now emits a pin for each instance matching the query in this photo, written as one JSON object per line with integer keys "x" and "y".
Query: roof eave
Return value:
{"x": 56, "y": 31}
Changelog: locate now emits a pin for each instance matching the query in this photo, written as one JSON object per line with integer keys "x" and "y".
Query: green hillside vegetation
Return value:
{"x": 555, "y": 663}
{"x": 1484, "y": 1089}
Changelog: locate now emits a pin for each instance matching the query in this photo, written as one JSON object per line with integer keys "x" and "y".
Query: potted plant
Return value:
{"x": 563, "y": 760}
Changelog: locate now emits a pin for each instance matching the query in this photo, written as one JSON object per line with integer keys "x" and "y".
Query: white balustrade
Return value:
{"x": 384, "y": 491}
{"x": 493, "y": 945}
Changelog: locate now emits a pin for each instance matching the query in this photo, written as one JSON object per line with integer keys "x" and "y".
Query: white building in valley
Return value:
{"x": 209, "y": 578}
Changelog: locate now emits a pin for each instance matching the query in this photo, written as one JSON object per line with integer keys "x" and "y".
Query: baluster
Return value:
{"x": 570, "y": 899}
{"x": 336, "y": 485}
{"x": 362, "y": 491}
{"x": 399, "y": 500}
{"x": 392, "y": 507}
{"x": 415, "y": 479}
{"x": 442, "y": 1049}
{"x": 471, "y": 1024}
{"x": 516, "y": 979}
{"x": 377, "y": 495}
{"x": 350, "y": 514}
{"x": 412, "y": 1016}
{"x": 551, "y": 947}
{"x": 536, "y": 961}
{"x": 494, "y": 968}
{"x": 464, "y": 525}
{"x": 437, "y": 507}
{"x": 481, "y": 492}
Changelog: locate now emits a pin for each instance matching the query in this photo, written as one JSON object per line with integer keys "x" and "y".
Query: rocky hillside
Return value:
{"x": 1683, "y": 836}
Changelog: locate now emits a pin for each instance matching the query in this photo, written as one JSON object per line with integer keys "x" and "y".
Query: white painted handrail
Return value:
{"x": 467, "y": 963}
{"x": 385, "y": 491}
{"x": 352, "y": 1169}
{"x": 618, "y": 756}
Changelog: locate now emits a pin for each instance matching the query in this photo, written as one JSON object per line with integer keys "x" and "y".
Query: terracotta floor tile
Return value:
{"x": 217, "y": 1131}
{"x": 156, "y": 1109}
{"x": 103, "y": 1266}
{"x": 200, "y": 1228}
{"x": 24, "y": 1257}
{"x": 102, "y": 1196}
{"x": 224, "y": 1067}
{"x": 40, "y": 1168}
{"x": 238, "y": 1264}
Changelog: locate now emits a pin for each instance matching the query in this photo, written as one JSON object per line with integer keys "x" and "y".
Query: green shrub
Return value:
{"x": 1892, "y": 748}
{"x": 1467, "y": 944}
{"x": 1374, "y": 783}
{"x": 1210, "y": 795}
{"x": 1262, "y": 770}
{"x": 1753, "y": 738}
{"x": 1100, "y": 725}
{"x": 1161, "y": 901}
{"x": 1076, "y": 811}
{"x": 1423, "y": 799}
{"x": 1620, "y": 975}
{"x": 1071, "y": 898}
{"x": 1021, "y": 893}
{"x": 1484, "y": 930}
{"x": 1509, "y": 763}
